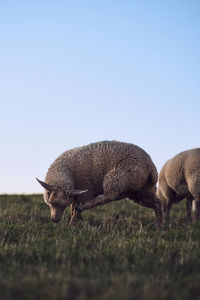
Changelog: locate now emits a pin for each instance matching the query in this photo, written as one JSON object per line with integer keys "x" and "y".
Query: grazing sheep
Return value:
{"x": 99, "y": 173}
{"x": 179, "y": 178}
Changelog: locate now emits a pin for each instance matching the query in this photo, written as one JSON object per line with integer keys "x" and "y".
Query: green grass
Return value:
{"x": 115, "y": 253}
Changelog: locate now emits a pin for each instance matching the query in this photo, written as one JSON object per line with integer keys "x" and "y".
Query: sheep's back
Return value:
{"x": 89, "y": 164}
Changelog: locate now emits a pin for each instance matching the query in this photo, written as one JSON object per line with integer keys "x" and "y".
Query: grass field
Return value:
{"x": 115, "y": 253}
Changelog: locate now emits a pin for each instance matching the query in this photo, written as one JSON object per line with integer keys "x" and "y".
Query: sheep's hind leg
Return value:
{"x": 167, "y": 209}
{"x": 197, "y": 208}
{"x": 189, "y": 208}
{"x": 158, "y": 210}
{"x": 151, "y": 201}
{"x": 114, "y": 185}
{"x": 99, "y": 200}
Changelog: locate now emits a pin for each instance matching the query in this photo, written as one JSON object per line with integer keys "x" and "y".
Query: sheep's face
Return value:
{"x": 58, "y": 200}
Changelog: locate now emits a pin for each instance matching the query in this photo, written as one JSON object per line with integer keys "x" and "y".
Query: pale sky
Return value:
{"x": 76, "y": 72}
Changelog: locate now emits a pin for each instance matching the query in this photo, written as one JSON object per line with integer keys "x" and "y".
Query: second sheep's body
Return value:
{"x": 99, "y": 173}
{"x": 179, "y": 178}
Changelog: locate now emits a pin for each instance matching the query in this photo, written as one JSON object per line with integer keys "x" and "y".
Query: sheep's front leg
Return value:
{"x": 75, "y": 214}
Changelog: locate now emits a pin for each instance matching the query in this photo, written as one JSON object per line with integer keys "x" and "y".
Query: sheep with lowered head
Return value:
{"x": 100, "y": 173}
{"x": 179, "y": 178}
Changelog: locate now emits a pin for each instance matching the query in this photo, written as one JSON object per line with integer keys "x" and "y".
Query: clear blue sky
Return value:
{"x": 75, "y": 72}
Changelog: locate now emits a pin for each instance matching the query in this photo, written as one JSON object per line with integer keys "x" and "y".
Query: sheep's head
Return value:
{"x": 58, "y": 199}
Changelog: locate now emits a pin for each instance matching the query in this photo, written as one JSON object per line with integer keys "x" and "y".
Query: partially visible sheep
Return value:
{"x": 99, "y": 173}
{"x": 179, "y": 178}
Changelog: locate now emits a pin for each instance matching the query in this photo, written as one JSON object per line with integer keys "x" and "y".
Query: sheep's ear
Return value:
{"x": 77, "y": 192}
{"x": 48, "y": 187}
